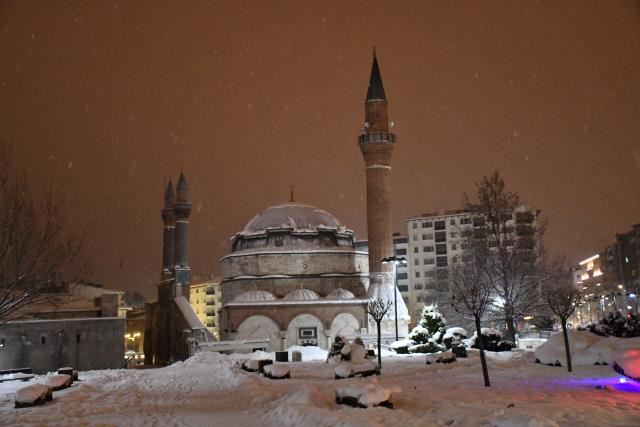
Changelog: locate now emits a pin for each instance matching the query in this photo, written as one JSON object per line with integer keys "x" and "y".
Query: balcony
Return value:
{"x": 377, "y": 138}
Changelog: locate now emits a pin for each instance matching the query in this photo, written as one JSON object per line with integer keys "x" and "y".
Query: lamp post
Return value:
{"x": 396, "y": 261}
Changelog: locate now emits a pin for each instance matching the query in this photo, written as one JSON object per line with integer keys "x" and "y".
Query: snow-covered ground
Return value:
{"x": 210, "y": 390}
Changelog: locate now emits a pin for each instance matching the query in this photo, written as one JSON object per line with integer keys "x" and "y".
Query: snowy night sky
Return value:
{"x": 103, "y": 99}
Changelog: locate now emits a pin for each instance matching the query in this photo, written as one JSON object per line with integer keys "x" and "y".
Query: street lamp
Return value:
{"x": 396, "y": 261}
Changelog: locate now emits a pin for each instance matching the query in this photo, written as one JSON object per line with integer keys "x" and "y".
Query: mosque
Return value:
{"x": 293, "y": 275}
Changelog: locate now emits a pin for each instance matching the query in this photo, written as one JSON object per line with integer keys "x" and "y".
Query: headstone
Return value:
{"x": 296, "y": 356}
{"x": 282, "y": 356}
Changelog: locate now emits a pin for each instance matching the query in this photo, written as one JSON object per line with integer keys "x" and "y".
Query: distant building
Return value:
{"x": 435, "y": 243}
{"x": 205, "y": 296}
{"x": 610, "y": 280}
{"x": 83, "y": 326}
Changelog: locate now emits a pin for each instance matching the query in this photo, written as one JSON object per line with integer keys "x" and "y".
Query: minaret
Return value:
{"x": 182, "y": 210}
{"x": 168, "y": 241}
{"x": 376, "y": 144}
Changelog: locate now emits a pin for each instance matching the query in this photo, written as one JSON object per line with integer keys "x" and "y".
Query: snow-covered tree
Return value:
{"x": 511, "y": 251}
{"x": 472, "y": 292}
{"x": 430, "y": 327}
{"x": 562, "y": 296}
{"x": 377, "y": 308}
{"x": 34, "y": 247}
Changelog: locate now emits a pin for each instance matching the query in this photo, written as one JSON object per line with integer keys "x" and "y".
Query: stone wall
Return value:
{"x": 46, "y": 345}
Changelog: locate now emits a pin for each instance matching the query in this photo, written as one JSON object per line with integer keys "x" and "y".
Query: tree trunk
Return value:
{"x": 566, "y": 342}
{"x": 511, "y": 328}
{"x": 378, "y": 322}
{"x": 483, "y": 361}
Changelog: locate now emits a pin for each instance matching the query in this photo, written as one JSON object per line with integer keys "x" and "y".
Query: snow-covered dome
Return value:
{"x": 340, "y": 293}
{"x": 291, "y": 215}
{"x": 301, "y": 295}
{"x": 254, "y": 296}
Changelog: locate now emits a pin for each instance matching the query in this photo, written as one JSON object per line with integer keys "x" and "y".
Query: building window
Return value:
{"x": 454, "y": 246}
{"x": 465, "y": 221}
{"x": 452, "y": 221}
{"x": 427, "y": 224}
{"x": 439, "y": 225}
{"x": 454, "y": 260}
{"x": 308, "y": 333}
{"x": 429, "y": 236}
{"x": 417, "y": 286}
{"x": 417, "y": 274}
{"x": 414, "y": 225}
{"x": 430, "y": 273}
{"x": 77, "y": 338}
{"x": 441, "y": 236}
{"x": 420, "y": 298}
{"x": 401, "y": 251}
{"x": 401, "y": 276}
{"x": 453, "y": 235}
{"x": 416, "y": 261}
{"x": 43, "y": 340}
{"x": 415, "y": 250}
{"x": 428, "y": 249}
{"x": 441, "y": 261}
{"x": 403, "y": 288}
{"x": 415, "y": 237}
{"x": 441, "y": 249}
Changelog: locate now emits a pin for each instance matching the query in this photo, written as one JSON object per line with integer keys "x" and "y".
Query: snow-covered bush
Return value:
{"x": 492, "y": 340}
{"x": 364, "y": 396}
{"x": 429, "y": 347}
{"x": 444, "y": 357}
{"x": 401, "y": 346}
{"x": 335, "y": 352}
{"x": 276, "y": 372}
{"x": 454, "y": 337}
{"x": 617, "y": 325}
{"x": 431, "y": 326}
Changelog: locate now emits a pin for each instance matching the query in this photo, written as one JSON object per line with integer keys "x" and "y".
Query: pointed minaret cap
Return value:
{"x": 376, "y": 90}
{"x": 169, "y": 196}
{"x": 182, "y": 189}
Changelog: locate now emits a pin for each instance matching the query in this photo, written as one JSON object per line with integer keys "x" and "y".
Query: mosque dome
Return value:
{"x": 291, "y": 215}
{"x": 340, "y": 293}
{"x": 254, "y": 296}
{"x": 301, "y": 295}
{"x": 293, "y": 226}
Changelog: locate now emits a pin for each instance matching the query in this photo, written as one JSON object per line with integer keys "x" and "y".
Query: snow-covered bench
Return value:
{"x": 350, "y": 370}
{"x": 31, "y": 395}
{"x": 256, "y": 365}
{"x": 59, "y": 381}
{"x": 277, "y": 372}
{"x": 364, "y": 396}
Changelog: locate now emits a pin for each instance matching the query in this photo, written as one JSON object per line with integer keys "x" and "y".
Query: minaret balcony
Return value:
{"x": 377, "y": 138}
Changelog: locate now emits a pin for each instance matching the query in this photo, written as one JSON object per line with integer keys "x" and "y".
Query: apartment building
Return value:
{"x": 206, "y": 299}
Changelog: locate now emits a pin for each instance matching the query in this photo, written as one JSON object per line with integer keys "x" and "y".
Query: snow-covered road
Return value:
{"x": 216, "y": 393}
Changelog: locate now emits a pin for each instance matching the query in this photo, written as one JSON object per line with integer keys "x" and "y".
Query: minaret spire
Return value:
{"x": 375, "y": 91}
{"x": 291, "y": 199}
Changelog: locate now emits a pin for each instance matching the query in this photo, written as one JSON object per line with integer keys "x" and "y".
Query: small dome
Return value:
{"x": 254, "y": 296}
{"x": 301, "y": 295}
{"x": 340, "y": 293}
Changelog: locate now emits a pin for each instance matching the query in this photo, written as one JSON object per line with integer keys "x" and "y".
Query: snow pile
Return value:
{"x": 586, "y": 348}
{"x": 205, "y": 358}
{"x": 309, "y": 353}
{"x": 442, "y": 357}
{"x": 350, "y": 369}
{"x": 627, "y": 362}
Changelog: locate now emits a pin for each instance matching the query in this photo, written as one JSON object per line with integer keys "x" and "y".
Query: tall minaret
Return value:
{"x": 168, "y": 239}
{"x": 376, "y": 144}
{"x": 182, "y": 210}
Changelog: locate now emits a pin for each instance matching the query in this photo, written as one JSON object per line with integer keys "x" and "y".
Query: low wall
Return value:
{"x": 46, "y": 345}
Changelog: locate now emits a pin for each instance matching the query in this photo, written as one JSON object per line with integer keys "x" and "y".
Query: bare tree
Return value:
{"x": 513, "y": 251}
{"x": 34, "y": 249}
{"x": 472, "y": 293}
{"x": 562, "y": 297}
{"x": 377, "y": 308}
